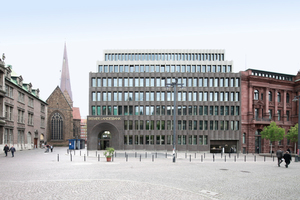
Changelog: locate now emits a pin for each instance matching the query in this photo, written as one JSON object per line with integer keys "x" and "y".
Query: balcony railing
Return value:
{"x": 262, "y": 119}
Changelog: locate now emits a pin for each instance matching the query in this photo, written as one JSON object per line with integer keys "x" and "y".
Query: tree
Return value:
{"x": 273, "y": 133}
{"x": 292, "y": 135}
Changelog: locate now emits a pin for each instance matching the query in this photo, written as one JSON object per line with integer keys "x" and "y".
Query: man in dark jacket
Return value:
{"x": 12, "y": 150}
{"x": 279, "y": 155}
{"x": 287, "y": 158}
{"x": 6, "y": 149}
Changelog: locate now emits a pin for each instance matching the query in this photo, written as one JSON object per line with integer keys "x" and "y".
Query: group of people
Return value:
{"x": 49, "y": 147}
{"x": 286, "y": 157}
{"x": 11, "y": 149}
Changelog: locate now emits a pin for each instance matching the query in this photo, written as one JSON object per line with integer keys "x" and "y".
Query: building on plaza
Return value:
{"x": 267, "y": 96}
{"x": 131, "y": 107}
{"x": 22, "y": 122}
{"x": 63, "y": 119}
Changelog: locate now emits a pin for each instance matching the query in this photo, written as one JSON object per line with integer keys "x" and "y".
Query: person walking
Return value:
{"x": 12, "y": 150}
{"x": 279, "y": 155}
{"x": 287, "y": 158}
{"x": 6, "y": 149}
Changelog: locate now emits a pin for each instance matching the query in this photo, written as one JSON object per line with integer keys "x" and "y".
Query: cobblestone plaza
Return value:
{"x": 37, "y": 175}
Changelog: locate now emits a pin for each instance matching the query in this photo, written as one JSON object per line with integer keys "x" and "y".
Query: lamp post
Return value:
{"x": 297, "y": 99}
{"x": 174, "y": 85}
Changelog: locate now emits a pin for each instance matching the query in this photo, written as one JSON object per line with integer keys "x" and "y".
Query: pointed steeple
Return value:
{"x": 65, "y": 84}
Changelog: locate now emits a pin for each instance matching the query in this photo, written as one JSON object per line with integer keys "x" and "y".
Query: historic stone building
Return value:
{"x": 131, "y": 107}
{"x": 267, "y": 96}
{"x": 63, "y": 119}
{"x": 23, "y": 113}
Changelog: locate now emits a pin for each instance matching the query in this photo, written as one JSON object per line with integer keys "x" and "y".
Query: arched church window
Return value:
{"x": 256, "y": 94}
{"x": 57, "y": 127}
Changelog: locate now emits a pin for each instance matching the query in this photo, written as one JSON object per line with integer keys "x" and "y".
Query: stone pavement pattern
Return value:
{"x": 34, "y": 174}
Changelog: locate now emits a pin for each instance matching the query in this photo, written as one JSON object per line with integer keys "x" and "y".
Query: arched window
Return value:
{"x": 278, "y": 97}
{"x": 287, "y": 97}
{"x": 270, "y": 96}
{"x": 57, "y": 127}
{"x": 256, "y": 94}
{"x": 244, "y": 138}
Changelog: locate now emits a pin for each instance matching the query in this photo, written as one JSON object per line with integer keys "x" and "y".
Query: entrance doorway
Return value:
{"x": 258, "y": 141}
{"x": 103, "y": 140}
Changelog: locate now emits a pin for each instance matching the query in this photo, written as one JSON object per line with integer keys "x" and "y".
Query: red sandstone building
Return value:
{"x": 265, "y": 97}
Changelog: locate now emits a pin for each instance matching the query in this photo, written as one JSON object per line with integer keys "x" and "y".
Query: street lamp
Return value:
{"x": 174, "y": 85}
{"x": 297, "y": 99}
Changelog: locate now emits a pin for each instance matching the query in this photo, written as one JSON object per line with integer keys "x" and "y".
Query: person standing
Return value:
{"x": 287, "y": 158}
{"x": 279, "y": 155}
{"x": 12, "y": 150}
{"x": 6, "y": 149}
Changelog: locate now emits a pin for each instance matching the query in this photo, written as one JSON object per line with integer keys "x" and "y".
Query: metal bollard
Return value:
{"x": 229, "y": 155}
{"x": 166, "y": 155}
{"x": 245, "y": 159}
{"x": 185, "y": 155}
{"x": 87, "y": 153}
{"x": 71, "y": 157}
{"x": 152, "y": 158}
{"x": 135, "y": 154}
{"x": 98, "y": 157}
{"x": 125, "y": 153}
{"x": 115, "y": 154}
{"x": 126, "y": 158}
{"x": 221, "y": 155}
{"x": 195, "y": 155}
{"x": 155, "y": 154}
{"x": 67, "y": 151}
{"x": 213, "y": 157}
{"x": 190, "y": 158}
{"x": 225, "y": 158}
{"x": 96, "y": 153}
{"x": 57, "y": 157}
{"x": 201, "y": 158}
{"x": 145, "y": 154}
{"x": 84, "y": 159}
{"x": 112, "y": 158}
{"x": 264, "y": 158}
{"x": 204, "y": 155}
{"x": 140, "y": 158}
{"x": 273, "y": 158}
{"x": 234, "y": 158}
{"x": 254, "y": 158}
{"x": 80, "y": 153}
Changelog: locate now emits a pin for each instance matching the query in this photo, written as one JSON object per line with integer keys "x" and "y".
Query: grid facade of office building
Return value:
{"x": 131, "y": 105}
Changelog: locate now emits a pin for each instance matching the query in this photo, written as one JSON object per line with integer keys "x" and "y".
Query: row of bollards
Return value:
{"x": 166, "y": 156}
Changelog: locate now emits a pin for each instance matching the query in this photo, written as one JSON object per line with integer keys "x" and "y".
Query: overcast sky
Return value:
{"x": 255, "y": 34}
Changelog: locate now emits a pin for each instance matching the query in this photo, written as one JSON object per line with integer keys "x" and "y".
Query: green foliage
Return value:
{"x": 109, "y": 152}
{"x": 292, "y": 135}
{"x": 273, "y": 132}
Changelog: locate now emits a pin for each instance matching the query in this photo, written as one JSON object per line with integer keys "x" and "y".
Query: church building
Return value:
{"x": 63, "y": 119}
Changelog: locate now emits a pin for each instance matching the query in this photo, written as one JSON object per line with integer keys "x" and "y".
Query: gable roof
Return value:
{"x": 76, "y": 113}
{"x": 59, "y": 90}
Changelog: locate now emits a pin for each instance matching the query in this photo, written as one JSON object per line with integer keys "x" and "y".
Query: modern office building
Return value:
{"x": 132, "y": 107}
{"x": 23, "y": 113}
{"x": 267, "y": 96}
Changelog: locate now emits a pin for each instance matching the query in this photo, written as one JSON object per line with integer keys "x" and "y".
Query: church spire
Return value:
{"x": 65, "y": 84}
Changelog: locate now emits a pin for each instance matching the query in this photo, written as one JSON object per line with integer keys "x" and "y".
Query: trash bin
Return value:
{"x": 296, "y": 158}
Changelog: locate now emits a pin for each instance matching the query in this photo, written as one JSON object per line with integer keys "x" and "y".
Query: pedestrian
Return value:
{"x": 12, "y": 150}
{"x": 6, "y": 149}
{"x": 51, "y": 147}
{"x": 289, "y": 150}
{"x": 279, "y": 155}
{"x": 287, "y": 158}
